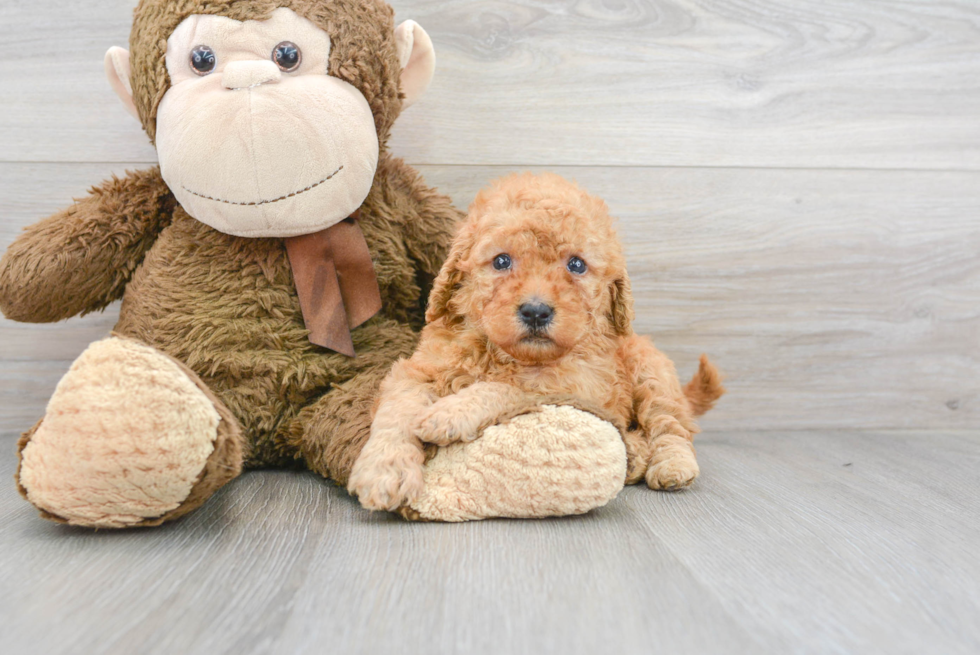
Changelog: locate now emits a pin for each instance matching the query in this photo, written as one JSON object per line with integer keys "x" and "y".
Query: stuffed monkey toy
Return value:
{"x": 271, "y": 269}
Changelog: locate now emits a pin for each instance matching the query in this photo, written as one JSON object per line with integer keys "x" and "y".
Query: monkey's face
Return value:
{"x": 254, "y": 137}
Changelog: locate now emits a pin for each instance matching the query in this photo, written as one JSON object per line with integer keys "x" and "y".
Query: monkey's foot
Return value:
{"x": 131, "y": 437}
{"x": 556, "y": 461}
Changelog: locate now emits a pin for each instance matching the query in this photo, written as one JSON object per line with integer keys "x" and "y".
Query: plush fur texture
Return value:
{"x": 363, "y": 51}
{"x": 254, "y": 151}
{"x": 228, "y": 308}
{"x": 225, "y": 307}
{"x": 478, "y": 359}
{"x": 124, "y": 439}
{"x": 556, "y": 461}
{"x": 80, "y": 259}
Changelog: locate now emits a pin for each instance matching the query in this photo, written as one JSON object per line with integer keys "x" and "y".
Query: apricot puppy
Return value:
{"x": 533, "y": 302}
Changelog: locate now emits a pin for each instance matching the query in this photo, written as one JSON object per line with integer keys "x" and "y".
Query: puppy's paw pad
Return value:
{"x": 672, "y": 474}
{"x": 447, "y": 421}
{"x": 387, "y": 484}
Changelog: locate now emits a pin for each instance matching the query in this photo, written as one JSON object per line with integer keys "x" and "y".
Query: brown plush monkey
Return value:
{"x": 250, "y": 240}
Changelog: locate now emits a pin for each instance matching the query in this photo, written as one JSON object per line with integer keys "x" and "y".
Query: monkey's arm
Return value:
{"x": 80, "y": 259}
{"x": 430, "y": 217}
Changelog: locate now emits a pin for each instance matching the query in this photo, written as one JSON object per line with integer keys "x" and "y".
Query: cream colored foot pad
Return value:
{"x": 125, "y": 436}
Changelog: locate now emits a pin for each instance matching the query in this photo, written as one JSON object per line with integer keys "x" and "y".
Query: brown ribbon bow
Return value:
{"x": 335, "y": 280}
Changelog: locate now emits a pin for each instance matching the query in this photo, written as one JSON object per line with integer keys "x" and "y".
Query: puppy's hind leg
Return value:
{"x": 673, "y": 464}
{"x": 663, "y": 415}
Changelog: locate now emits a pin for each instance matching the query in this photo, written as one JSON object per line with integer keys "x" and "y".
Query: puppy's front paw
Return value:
{"x": 387, "y": 481}
{"x": 673, "y": 466}
{"x": 448, "y": 420}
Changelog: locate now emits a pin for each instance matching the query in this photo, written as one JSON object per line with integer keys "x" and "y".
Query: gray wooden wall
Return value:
{"x": 798, "y": 181}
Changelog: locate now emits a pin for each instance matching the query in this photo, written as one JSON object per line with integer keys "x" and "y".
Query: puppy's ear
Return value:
{"x": 621, "y": 311}
{"x": 449, "y": 278}
{"x": 446, "y": 283}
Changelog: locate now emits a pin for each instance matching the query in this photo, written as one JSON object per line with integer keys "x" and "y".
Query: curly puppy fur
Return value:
{"x": 482, "y": 355}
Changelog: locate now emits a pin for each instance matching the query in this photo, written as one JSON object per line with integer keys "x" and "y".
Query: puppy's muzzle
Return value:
{"x": 536, "y": 315}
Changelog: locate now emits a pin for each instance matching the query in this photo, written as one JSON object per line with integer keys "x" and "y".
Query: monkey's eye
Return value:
{"x": 577, "y": 266}
{"x": 203, "y": 59}
{"x": 287, "y": 56}
{"x": 502, "y": 262}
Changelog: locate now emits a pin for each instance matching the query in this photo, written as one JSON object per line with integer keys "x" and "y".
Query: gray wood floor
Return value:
{"x": 790, "y": 542}
{"x": 798, "y": 188}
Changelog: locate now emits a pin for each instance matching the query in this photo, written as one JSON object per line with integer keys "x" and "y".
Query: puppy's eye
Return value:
{"x": 502, "y": 262}
{"x": 287, "y": 56}
{"x": 203, "y": 59}
{"x": 577, "y": 266}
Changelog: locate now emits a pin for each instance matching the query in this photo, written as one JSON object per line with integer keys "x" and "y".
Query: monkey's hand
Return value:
{"x": 80, "y": 259}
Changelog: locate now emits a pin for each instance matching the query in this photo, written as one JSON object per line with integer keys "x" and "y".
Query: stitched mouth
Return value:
{"x": 264, "y": 202}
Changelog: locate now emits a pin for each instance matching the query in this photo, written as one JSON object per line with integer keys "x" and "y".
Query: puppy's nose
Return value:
{"x": 535, "y": 315}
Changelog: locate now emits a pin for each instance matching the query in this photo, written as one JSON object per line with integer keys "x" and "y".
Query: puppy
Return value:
{"x": 533, "y": 301}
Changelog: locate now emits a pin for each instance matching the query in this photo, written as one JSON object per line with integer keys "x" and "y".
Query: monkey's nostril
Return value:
{"x": 536, "y": 315}
{"x": 248, "y": 74}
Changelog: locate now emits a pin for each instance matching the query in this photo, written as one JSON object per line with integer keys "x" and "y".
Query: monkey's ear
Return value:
{"x": 418, "y": 60}
{"x": 117, "y": 72}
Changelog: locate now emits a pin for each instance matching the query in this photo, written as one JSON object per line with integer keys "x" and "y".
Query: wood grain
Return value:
{"x": 794, "y": 83}
{"x": 790, "y": 542}
{"x": 830, "y": 298}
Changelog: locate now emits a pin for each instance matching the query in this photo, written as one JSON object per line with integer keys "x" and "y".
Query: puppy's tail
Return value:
{"x": 705, "y": 387}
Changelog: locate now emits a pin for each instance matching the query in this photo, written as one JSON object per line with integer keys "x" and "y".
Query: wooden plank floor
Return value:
{"x": 825, "y": 542}
{"x": 830, "y": 298}
{"x": 793, "y": 83}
